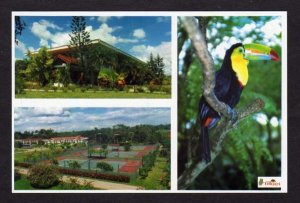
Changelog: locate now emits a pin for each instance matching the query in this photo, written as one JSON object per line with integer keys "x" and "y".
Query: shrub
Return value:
{"x": 105, "y": 166}
{"x": 104, "y": 146}
{"x": 143, "y": 172}
{"x": 54, "y": 88}
{"x": 140, "y": 89}
{"x": 54, "y": 162}
{"x": 43, "y": 176}
{"x": 73, "y": 184}
{"x": 74, "y": 164}
{"x": 83, "y": 89}
{"x": 72, "y": 87}
{"x": 17, "y": 175}
{"x": 65, "y": 89}
{"x": 18, "y": 144}
{"x": 153, "y": 88}
{"x": 31, "y": 85}
{"x": 166, "y": 89}
{"x": 20, "y": 85}
{"x": 119, "y": 178}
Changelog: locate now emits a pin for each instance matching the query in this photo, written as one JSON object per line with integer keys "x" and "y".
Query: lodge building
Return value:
{"x": 53, "y": 140}
{"x": 63, "y": 56}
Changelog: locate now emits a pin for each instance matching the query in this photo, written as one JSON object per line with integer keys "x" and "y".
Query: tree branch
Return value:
{"x": 225, "y": 125}
{"x": 205, "y": 57}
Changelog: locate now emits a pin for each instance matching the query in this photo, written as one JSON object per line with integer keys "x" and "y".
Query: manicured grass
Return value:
{"x": 23, "y": 184}
{"x": 99, "y": 94}
{"x": 20, "y": 156}
{"x": 152, "y": 182}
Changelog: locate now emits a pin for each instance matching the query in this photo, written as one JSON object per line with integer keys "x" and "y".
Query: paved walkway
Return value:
{"x": 99, "y": 184}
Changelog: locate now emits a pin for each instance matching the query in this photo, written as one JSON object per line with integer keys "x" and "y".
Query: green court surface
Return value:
{"x": 92, "y": 164}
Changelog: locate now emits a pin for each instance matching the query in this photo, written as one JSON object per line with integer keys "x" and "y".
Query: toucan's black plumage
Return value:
{"x": 227, "y": 89}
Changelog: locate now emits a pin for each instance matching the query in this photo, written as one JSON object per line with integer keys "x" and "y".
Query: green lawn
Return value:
{"x": 23, "y": 184}
{"x": 99, "y": 94}
{"x": 152, "y": 182}
{"x": 20, "y": 156}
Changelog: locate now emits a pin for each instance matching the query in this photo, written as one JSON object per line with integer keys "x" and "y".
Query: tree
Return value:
{"x": 19, "y": 27}
{"x": 104, "y": 166}
{"x": 155, "y": 69}
{"x": 74, "y": 164}
{"x": 64, "y": 75}
{"x": 79, "y": 42}
{"x": 40, "y": 66}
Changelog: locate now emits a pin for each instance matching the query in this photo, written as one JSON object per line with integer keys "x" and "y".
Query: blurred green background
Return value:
{"x": 254, "y": 148}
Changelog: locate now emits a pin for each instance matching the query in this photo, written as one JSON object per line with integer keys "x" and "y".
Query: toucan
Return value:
{"x": 230, "y": 79}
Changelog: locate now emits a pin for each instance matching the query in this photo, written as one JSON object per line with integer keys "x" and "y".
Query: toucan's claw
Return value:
{"x": 233, "y": 114}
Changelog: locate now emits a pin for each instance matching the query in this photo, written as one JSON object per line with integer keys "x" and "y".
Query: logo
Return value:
{"x": 269, "y": 182}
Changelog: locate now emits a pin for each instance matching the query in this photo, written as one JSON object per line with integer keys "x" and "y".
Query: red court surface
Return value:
{"x": 130, "y": 166}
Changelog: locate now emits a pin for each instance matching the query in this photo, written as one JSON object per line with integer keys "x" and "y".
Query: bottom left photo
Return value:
{"x": 91, "y": 148}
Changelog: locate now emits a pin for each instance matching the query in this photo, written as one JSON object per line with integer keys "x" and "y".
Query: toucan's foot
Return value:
{"x": 233, "y": 114}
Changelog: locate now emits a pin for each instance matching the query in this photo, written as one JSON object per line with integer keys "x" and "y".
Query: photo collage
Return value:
{"x": 146, "y": 102}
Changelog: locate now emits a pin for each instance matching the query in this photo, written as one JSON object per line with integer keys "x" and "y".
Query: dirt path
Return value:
{"x": 99, "y": 184}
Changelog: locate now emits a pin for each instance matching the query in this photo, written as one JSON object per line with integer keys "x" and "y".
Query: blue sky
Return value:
{"x": 138, "y": 36}
{"x": 68, "y": 119}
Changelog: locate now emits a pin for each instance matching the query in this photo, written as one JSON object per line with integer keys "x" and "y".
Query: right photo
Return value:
{"x": 230, "y": 103}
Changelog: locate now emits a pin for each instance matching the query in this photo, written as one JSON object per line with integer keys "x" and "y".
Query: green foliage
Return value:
{"x": 104, "y": 146}
{"x": 17, "y": 175}
{"x": 127, "y": 146}
{"x": 79, "y": 40}
{"x": 74, "y": 184}
{"x": 155, "y": 67}
{"x": 54, "y": 162}
{"x": 18, "y": 144}
{"x": 107, "y": 77}
{"x": 148, "y": 162}
{"x": 74, "y": 164}
{"x": 40, "y": 66}
{"x": 63, "y": 75}
{"x": 43, "y": 176}
{"x": 104, "y": 166}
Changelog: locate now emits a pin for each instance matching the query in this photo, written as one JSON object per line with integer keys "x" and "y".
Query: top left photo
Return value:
{"x": 91, "y": 56}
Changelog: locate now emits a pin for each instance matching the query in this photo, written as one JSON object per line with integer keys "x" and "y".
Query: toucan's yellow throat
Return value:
{"x": 240, "y": 65}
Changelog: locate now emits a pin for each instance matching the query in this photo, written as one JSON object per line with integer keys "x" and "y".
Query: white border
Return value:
{"x": 155, "y": 102}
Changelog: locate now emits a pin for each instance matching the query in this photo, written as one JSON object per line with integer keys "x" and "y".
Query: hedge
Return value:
{"x": 97, "y": 175}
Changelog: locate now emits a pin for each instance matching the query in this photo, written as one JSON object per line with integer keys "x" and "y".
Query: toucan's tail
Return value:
{"x": 205, "y": 144}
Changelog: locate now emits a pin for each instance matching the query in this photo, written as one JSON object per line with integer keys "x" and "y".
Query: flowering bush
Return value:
{"x": 43, "y": 176}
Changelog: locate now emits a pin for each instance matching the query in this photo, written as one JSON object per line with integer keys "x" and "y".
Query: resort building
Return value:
{"x": 29, "y": 141}
{"x": 62, "y": 140}
{"x": 110, "y": 57}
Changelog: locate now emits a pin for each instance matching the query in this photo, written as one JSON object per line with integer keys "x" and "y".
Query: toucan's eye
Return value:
{"x": 241, "y": 50}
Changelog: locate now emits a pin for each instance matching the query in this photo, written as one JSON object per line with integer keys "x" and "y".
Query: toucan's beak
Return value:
{"x": 260, "y": 52}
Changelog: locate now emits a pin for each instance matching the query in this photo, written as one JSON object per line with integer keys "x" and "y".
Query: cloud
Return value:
{"x": 105, "y": 33}
{"x": 139, "y": 33}
{"x": 163, "y": 19}
{"x": 103, "y": 19}
{"x": 21, "y": 47}
{"x": 42, "y": 28}
{"x": 68, "y": 119}
{"x": 164, "y": 50}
